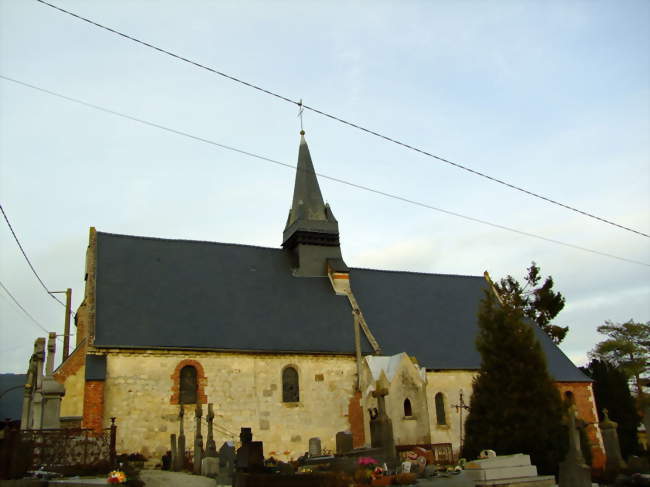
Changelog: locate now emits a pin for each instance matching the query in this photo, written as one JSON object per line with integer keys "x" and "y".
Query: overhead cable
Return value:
{"x": 321, "y": 175}
{"x": 346, "y": 122}
{"x": 49, "y": 293}
{"x": 34, "y": 320}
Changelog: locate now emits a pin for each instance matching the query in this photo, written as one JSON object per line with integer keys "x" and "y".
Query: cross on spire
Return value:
{"x": 301, "y": 109}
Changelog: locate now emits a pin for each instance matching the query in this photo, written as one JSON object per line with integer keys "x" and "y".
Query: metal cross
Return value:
{"x": 459, "y": 409}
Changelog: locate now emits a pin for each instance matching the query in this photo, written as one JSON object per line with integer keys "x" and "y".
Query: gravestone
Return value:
{"x": 210, "y": 446}
{"x": 381, "y": 426}
{"x": 615, "y": 462}
{"x": 343, "y": 442}
{"x": 180, "y": 446}
{"x": 172, "y": 463}
{"x": 314, "y": 447}
{"x": 166, "y": 460}
{"x": 227, "y": 457}
{"x": 198, "y": 440}
{"x": 488, "y": 468}
{"x": 210, "y": 467}
{"x": 573, "y": 470}
{"x": 52, "y": 392}
{"x": 250, "y": 456}
{"x": 35, "y": 404}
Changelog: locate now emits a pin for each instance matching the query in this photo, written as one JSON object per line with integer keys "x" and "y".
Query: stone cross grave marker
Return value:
{"x": 198, "y": 439}
{"x": 573, "y": 471}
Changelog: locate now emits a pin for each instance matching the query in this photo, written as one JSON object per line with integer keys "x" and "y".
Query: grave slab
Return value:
{"x": 502, "y": 473}
{"x": 516, "y": 460}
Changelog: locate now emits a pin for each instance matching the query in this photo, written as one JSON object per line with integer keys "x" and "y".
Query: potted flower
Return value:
{"x": 364, "y": 473}
{"x": 380, "y": 477}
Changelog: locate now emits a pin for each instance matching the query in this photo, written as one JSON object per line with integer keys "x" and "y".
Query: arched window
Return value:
{"x": 568, "y": 397}
{"x": 290, "y": 387}
{"x": 188, "y": 385}
{"x": 408, "y": 410}
{"x": 441, "y": 418}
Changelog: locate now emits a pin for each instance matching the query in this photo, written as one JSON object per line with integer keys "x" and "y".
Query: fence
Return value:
{"x": 55, "y": 449}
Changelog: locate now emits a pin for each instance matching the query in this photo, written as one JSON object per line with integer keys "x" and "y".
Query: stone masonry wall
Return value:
{"x": 449, "y": 383}
{"x": 85, "y": 316}
{"x": 246, "y": 390}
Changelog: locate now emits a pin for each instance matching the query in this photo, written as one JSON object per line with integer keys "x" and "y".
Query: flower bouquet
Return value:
{"x": 116, "y": 477}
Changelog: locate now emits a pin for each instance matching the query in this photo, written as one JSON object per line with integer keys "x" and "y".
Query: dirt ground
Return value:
{"x": 163, "y": 478}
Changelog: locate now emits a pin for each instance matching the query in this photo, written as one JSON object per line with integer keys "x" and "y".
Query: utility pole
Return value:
{"x": 66, "y": 329}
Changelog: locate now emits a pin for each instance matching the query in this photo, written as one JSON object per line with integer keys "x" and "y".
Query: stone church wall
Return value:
{"x": 449, "y": 383}
{"x": 246, "y": 390}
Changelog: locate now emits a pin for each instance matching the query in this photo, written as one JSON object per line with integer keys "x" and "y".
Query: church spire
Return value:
{"x": 311, "y": 232}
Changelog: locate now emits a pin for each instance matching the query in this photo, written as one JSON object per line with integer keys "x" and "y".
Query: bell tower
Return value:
{"x": 311, "y": 234}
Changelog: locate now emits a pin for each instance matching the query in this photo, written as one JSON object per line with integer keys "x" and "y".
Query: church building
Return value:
{"x": 287, "y": 341}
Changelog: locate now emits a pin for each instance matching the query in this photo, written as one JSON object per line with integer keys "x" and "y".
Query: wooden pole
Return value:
{"x": 66, "y": 330}
{"x": 357, "y": 347}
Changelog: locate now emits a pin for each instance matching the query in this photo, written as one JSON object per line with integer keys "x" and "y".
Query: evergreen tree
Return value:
{"x": 540, "y": 303}
{"x": 628, "y": 347}
{"x": 515, "y": 405}
{"x": 612, "y": 393}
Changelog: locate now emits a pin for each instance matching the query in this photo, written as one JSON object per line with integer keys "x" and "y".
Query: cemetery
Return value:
{"x": 284, "y": 367}
{"x": 43, "y": 449}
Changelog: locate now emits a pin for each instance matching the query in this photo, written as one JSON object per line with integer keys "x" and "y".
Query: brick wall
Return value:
{"x": 201, "y": 380}
{"x": 73, "y": 363}
{"x": 583, "y": 398}
{"x": 355, "y": 417}
{"x": 93, "y": 412}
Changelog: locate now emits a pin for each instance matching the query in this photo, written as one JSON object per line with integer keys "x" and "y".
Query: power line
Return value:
{"x": 324, "y": 176}
{"x": 28, "y": 261}
{"x": 34, "y": 320}
{"x": 350, "y": 124}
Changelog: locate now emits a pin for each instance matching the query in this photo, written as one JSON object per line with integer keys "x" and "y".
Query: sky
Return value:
{"x": 550, "y": 96}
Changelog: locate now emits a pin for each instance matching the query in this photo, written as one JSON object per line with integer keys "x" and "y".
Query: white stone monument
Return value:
{"x": 506, "y": 470}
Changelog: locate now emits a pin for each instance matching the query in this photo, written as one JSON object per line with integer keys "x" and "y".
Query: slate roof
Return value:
{"x": 189, "y": 294}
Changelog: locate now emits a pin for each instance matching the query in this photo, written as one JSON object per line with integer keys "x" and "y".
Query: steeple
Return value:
{"x": 311, "y": 232}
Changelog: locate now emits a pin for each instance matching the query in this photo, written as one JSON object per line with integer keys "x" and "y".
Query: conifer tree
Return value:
{"x": 515, "y": 405}
{"x": 612, "y": 393}
{"x": 540, "y": 303}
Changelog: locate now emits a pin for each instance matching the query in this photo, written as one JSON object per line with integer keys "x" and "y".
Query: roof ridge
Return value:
{"x": 415, "y": 272}
{"x": 394, "y": 271}
{"x": 143, "y": 237}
